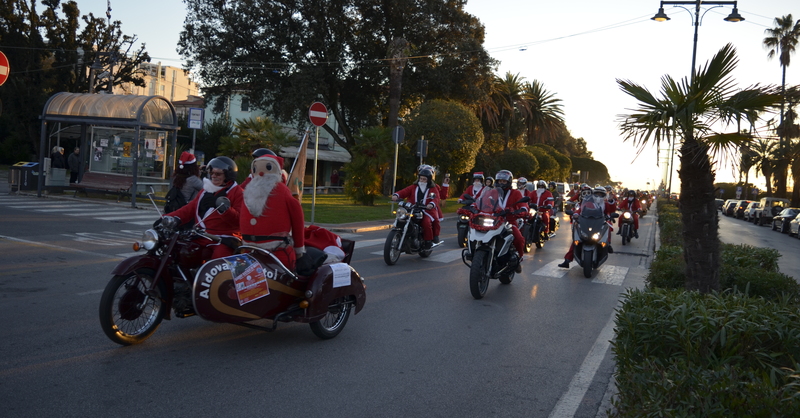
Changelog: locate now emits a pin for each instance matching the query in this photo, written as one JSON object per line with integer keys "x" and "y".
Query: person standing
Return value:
{"x": 57, "y": 158}
{"x": 334, "y": 178}
{"x": 74, "y": 163}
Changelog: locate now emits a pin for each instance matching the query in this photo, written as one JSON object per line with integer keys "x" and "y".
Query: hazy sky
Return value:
{"x": 576, "y": 49}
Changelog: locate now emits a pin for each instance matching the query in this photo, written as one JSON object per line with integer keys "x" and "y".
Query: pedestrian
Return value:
{"x": 334, "y": 178}
{"x": 74, "y": 163}
{"x": 57, "y": 158}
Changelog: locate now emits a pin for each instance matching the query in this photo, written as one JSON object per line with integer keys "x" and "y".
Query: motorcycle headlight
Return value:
{"x": 401, "y": 212}
{"x": 149, "y": 239}
{"x": 464, "y": 218}
{"x": 596, "y": 236}
{"x": 484, "y": 221}
{"x": 626, "y": 215}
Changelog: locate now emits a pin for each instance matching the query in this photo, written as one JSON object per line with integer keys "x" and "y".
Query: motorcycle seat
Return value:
{"x": 316, "y": 257}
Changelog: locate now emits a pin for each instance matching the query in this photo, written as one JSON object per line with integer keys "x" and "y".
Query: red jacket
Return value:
{"x": 431, "y": 196}
{"x": 625, "y": 204}
{"x": 510, "y": 202}
{"x": 216, "y": 224}
{"x": 282, "y": 216}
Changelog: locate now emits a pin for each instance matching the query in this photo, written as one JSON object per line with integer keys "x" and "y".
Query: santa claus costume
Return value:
{"x": 424, "y": 192}
{"x": 270, "y": 217}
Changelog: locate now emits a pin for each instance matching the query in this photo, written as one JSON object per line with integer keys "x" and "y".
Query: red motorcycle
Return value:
{"x": 174, "y": 275}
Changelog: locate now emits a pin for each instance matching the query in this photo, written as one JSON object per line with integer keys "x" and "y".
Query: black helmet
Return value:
{"x": 427, "y": 173}
{"x": 226, "y": 165}
{"x": 489, "y": 180}
{"x": 505, "y": 176}
{"x": 261, "y": 152}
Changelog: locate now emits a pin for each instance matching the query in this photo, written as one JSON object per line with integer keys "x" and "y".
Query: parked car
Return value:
{"x": 770, "y": 207}
{"x": 730, "y": 207}
{"x": 794, "y": 227}
{"x": 719, "y": 203}
{"x": 782, "y": 220}
{"x": 750, "y": 211}
{"x": 740, "y": 207}
{"x": 563, "y": 190}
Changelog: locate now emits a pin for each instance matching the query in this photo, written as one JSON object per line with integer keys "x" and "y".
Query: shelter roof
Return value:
{"x": 113, "y": 110}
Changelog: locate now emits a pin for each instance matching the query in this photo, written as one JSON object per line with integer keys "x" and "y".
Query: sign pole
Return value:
{"x": 318, "y": 114}
{"x": 314, "y": 191}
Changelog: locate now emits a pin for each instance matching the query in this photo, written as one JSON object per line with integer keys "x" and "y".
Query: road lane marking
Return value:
{"x": 613, "y": 275}
{"x": 42, "y": 244}
{"x": 551, "y": 269}
{"x": 369, "y": 243}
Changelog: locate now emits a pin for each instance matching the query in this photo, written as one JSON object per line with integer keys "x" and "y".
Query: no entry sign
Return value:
{"x": 318, "y": 114}
{"x": 4, "y": 68}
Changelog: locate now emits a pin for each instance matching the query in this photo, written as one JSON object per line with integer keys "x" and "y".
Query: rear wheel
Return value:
{"x": 334, "y": 321}
{"x": 774, "y": 227}
{"x": 587, "y": 263}
{"x": 391, "y": 249}
{"x": 479, "y": 273}
{"x": 127, "y": 315}
{"x": 526, "y": 232}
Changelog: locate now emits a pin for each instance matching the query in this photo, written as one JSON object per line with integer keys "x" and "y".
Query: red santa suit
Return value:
{"x": 427, "y": 195}
{"x": 509, "y": 200}
{"x": 270, "y": 217}
{"x": 542, "y": 198}
{"x": 203, "y": 205}
{"x": 632, "y": 204}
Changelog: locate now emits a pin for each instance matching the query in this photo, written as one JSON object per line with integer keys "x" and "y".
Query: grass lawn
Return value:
{"x": 337, "y": 208}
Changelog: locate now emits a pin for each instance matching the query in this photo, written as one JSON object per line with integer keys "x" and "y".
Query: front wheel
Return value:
{"x": 625, "y": 237}
{"x": 391, "y": 249}
{"x": 587, "y": 263}
{"x": 127, "y": 314}
{"x": 334, "y": 321}
{"x": 479, "y": 273}
{"x": 462, "y": 237}
{"x": 526, "y": 231}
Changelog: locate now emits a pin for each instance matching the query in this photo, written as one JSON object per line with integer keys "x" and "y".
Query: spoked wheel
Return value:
{"x": 333, "y": 323}
{"x": 479, "y": 273}
{"x": 127, "y": 315}
{"x": 391, "y": 249}
{"x": 587, "y": 263}
{"x": 462, "y": 237}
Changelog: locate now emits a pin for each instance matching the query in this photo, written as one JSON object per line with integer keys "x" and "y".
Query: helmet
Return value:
{"x": 226, "y": 165}
{"x": 552, "y": 185}
{"x": 262, "y": 152}
{"x": 521, "y": 182}
{"x": 490, "y": 181}
{"x": 429, "y": 168}
{"x": 541, "y": 184}
{"x": 477, "y": 175}
{"x": 427, "y": 173}
{"x": 608, "y": 188}
{"x": 504, "y": 176}
{"x": 632, "y": 193}
{"x": 599, "y": 191}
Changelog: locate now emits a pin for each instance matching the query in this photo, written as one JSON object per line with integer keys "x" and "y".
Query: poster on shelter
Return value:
{"x": 126, "y": 149}
{"x": 98, "y": 153}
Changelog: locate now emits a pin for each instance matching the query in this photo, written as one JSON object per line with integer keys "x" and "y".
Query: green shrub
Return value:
{"x": 668, "y": 270}
{"x": 687, "y": 354}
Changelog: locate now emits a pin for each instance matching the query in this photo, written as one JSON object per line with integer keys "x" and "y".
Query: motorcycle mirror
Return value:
{"x": 223, "y": 204}
{"x": 525, "y": 199}
{"x": 614, "y": 215}
{"x": 569, "y": 212}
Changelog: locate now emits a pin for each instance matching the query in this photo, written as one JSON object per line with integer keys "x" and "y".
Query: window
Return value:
{"x": 245, "y": 104}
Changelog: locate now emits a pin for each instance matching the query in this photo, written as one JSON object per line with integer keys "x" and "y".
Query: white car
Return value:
{"x": 750, "y": 211}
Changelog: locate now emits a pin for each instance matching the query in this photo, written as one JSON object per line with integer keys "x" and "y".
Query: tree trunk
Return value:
{"x": 398, "y": 59}
{"x": 698, "y": 212}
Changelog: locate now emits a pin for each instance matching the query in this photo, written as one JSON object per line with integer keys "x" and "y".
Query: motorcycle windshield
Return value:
{"x": 489, "y": 202}
{"x": 593, "y": 207}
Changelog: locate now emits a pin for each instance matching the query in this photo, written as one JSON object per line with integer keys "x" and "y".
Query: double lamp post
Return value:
{"x": 696, "y": 19}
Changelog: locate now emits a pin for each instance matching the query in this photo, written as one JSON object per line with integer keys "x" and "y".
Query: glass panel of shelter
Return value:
{"x": 112, "y": 151}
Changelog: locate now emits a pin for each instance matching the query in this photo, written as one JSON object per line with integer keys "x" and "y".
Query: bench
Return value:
{"x": 110, "y": 183}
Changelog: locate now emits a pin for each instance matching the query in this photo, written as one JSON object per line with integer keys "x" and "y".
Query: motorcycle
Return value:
{"x": 533, "y": 228}
{"x": 589, "y": 233}
{"x": 645, "y": 206}
{"x": 626, "y": 230}
{"x": 173, "y": 276}
{"x": 406, "y": 234}
{"x": 462, "y": 223}
{"x": 490, "y": 253}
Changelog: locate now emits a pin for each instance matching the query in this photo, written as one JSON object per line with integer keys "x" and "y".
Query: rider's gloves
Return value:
{"x": 170, "y": 222}
{"x": 299, "y": 251}
{"x": 429, "y": 206}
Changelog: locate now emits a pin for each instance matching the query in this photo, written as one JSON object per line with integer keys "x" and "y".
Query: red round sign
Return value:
{"x": 4, "y": 68}
{"x": 318, "y": 114}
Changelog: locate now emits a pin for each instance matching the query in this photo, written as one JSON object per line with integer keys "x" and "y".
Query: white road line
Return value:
{"x": 51, "y": 206}
{"x": 65, "y": 209}
{"x": 150, "y": 216}
{"x": 370, "y": 243}
{"x": 143, "y": 223}
{"x": 571, "y": 400}
{"x": 115, "y": 212}
{"x": 445, "y": 257}
{"x": 91, "y": 292}
{"x": 613, "y": 275}
{"x": 113, "y": 257}
{"x": 552, "y": 269}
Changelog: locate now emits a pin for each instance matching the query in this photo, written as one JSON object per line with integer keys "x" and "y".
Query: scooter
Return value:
{"x": 589, "y": 234}
{"x": 406, "y": 234}
{"x": 626, "y": 230}
{"x": 533, "y": 229}
{"x": 490, "y": 254}
{"x": 173, "y": 275}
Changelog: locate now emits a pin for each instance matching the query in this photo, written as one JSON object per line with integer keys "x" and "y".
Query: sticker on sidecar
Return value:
{"x": 248, "y": 277}
{"x": 209, "y": 272}
{"x": 341, "y": 274}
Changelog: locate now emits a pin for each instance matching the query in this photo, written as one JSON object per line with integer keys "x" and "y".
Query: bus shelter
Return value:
{"x": 121, "y": 135}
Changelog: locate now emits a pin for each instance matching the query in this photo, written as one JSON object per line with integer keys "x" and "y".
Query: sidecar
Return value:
{"x": 255, "y": 285}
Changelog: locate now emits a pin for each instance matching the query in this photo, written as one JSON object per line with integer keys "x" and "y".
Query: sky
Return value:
{"x": 577, "y": 50}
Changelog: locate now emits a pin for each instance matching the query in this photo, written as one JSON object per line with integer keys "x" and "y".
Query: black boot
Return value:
{"x": 636, "y": 234}
{"x": 565, "y": 264}
{"x": 610, "y": 249}
{"x": 519, "y": 266}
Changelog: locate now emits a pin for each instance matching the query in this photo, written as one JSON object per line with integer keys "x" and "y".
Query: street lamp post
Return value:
{"x": 696, "y": 19}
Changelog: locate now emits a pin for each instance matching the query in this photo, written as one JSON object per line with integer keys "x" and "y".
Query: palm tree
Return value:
{"x": 690, "y": 110}
{"x": 546, "y": 119}
{"x": 781, "y": 41}
{"x": 511, "y": 102}
{"x": 764, "y": 160}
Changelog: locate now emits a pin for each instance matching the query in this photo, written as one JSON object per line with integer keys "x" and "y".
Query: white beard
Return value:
{"x": 257, "y": 191}
{"x": 210, "y": 187}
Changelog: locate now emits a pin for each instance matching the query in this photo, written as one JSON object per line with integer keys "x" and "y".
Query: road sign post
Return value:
{"x": 195, "y": 123}
{"x": 318, "y": 114}
{"x": 4, "y": 68}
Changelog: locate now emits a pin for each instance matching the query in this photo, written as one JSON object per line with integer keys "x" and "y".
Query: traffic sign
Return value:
{"x": 318, "y": 114}
{"x": 4, "y": 68}
{"x": 398, "y": 133}
{"x": 196, "y": 118}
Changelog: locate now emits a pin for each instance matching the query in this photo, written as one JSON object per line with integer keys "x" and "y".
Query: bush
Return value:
{"x": 687, "y": 354}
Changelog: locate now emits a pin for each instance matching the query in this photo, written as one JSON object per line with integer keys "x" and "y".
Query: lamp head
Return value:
{"x": 734, "y": 16}
{"x": 660, "y": 16}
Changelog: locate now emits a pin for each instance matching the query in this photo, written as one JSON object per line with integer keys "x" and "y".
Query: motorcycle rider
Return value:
{"x": 509, "y": 199}
{"x": 556, "y": 197}
{"x": 542, "y": 197}
{"x": 599, "y": 194}
{"x": 424, "y": 192}
{"x": 489, "y": 182}
{"x": 223, "y": 222}
{"x": 475, "y": 189}
{"x": 632, "y": 204}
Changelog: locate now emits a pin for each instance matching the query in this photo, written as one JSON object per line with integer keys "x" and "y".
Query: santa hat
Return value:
{"x": 478, "y": 174}
{"x": 187, "y": 158}
{"x": 269, "y": 154}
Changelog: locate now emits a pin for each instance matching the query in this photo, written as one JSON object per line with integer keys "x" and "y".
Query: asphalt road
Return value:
{"x": 737, "y": 231}
{"x": 422, "y": 346}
